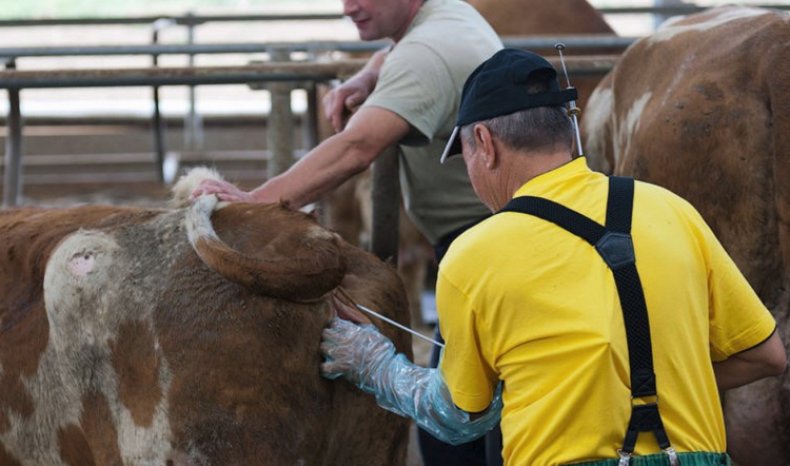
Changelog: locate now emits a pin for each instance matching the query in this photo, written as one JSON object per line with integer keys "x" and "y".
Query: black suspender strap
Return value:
{"x": 614, "y": 244}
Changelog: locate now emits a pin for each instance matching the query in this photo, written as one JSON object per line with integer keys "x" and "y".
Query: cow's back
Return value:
{"x": 700, "y": 108}
{"x": 700, "y": 112}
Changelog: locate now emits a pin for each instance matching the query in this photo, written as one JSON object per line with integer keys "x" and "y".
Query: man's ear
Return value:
{"x": 485, "y": 143}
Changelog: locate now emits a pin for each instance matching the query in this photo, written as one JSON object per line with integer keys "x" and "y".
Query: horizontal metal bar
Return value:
{"x": 187, "y": 20}
{"x": 571, "y": 41}
{"x": 182, "y": 20}
{"x": 161, "y": 76}
{"x": 264, "y": 72}
{"x": 578, "y": 41}
{"x": 189, "y": 49}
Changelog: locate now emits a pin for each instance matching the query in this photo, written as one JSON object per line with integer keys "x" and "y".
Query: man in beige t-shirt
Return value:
{"x": 411, "y": 93}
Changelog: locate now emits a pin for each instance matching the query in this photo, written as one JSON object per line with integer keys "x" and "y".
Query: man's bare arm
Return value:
{"x": 767, "y": 359}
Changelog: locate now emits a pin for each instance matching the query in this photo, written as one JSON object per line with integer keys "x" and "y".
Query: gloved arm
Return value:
{"x": 366, "y": 358}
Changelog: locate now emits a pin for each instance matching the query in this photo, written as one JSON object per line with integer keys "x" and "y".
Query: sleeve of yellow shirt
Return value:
{"x": 738, "y": 318}
{"x": 469, "y": 377}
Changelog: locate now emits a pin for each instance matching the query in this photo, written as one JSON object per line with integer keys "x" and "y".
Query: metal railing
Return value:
{"x": 573, "y": 42}
{"x": 311, "y": 72}
{"x": 194, "y": 20}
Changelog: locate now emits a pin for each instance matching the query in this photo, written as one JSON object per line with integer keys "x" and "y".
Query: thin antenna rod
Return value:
{"x": 350, "y": 300}
{"x": 573, "y": 110}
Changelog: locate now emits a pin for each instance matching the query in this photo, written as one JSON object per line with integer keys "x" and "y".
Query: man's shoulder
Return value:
{"x": 450, "y": 25}
{"x": 650, "y": 193}
{"x": 478, "y": 241}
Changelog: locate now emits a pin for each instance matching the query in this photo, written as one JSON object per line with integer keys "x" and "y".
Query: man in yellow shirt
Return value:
{"x": 599, "y": 317}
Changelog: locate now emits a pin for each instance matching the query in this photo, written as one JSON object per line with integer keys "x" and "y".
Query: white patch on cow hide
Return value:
{"x": 198, "y": 219}
{"x": 671, "y": 28}
{"x": 597, "y": 114}
{"x": 75, "y": 301}
{"x": 187, "y": 183}
{"x": 627, "y": 126}
{"x": 81, "y": 293}
{"x": 145, "y": 445}
{"x": 34, "y": 440}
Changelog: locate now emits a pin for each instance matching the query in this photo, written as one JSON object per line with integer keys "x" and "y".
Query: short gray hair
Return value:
{"x": 533, "y": 129}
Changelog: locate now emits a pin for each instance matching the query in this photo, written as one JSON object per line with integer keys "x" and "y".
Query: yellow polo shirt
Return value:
{"x": 524, "y": 301}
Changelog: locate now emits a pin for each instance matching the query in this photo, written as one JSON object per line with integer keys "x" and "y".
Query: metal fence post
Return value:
{"x": 280, "y": 126}
{"x": 658, "y": 17}
{"x": 386, "y": 206}
{"x": 193, "y": 126}
{"x": 12, "y": 182}
{"x": 159, "y": 125}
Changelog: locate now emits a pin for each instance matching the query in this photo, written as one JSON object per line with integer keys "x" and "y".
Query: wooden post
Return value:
{"x": 12, "y": 182}
{"x": 280, "y": 130}
{"x": 386, "y": 206}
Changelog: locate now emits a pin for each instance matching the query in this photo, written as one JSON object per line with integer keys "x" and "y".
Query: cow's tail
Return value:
{"x": 302, "y": 270}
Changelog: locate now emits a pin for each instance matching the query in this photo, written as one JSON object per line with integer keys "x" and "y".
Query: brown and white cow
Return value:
{"x": 183, "y": 336}
{"x": 701, "y": 107}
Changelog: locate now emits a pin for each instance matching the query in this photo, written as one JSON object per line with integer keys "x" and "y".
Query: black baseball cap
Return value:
{"x": 498, "y": 87}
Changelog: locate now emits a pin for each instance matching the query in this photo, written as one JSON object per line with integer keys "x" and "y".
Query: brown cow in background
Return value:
{"x": 549, "y": 18}
{"x": 183, "y": 336}
{"x": 701, "y": 108}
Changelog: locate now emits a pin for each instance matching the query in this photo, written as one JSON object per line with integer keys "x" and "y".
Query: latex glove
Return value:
{"x": 366, "y": 358}
{"x": 353, "y": 351}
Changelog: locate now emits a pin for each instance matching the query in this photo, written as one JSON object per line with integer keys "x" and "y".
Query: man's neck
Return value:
{"x": 525, "y": 167}
{"x": 414, "y": 8}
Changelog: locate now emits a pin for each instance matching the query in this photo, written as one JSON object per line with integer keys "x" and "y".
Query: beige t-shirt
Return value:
{"x": 421, "y": 81}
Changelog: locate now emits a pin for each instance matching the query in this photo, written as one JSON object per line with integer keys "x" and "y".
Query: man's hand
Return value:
{"x": 224, "y": 191}
{"x": 345, "y": 99}
{"x": 229, "y": 192}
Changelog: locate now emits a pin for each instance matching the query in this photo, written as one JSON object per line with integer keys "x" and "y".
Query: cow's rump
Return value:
{"x": 120, "y": 345}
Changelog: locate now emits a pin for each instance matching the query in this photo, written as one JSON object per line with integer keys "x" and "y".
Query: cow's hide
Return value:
{"x": 701, "y": 107}
{"x": 120, "y": 345}
{"x": 552, "y": 18}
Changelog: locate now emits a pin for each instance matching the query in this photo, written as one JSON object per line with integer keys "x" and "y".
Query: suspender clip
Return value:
{"x": 673, "y": 456}
{"x": 625, "y": 458}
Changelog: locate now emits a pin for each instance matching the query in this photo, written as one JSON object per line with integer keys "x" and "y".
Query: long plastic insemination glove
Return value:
{"x": 366, "y": 358}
